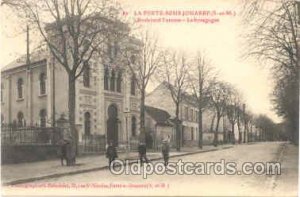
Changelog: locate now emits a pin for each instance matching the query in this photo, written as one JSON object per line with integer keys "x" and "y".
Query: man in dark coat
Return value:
{"x": 142, "y": 152}
{"x": 111, "y": 153}
{"x": 165, "y": 151}
{"x": 63, "y": 152}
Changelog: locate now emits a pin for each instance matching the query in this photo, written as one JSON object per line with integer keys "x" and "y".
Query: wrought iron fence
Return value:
{"x": 92, "y": 143}
{"x": 11, "y": 135}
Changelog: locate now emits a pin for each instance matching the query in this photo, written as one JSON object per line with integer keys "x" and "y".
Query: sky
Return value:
{"x": 222, "y": 41}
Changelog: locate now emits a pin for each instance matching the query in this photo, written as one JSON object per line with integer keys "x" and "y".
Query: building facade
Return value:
{"x": 36, "y": 94}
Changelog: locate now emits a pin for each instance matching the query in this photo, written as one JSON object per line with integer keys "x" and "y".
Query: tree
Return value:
{"x": 74, "y": 31}
{"x": 201, "y": 76}
{"x": 272, "y": 38}
{"x": 233, "y": 110}
{"x": 267, "y": 126}
{"x": 175, "y": 72}
{"x": 143, "y": 62}
{"x": 219, "y": 94}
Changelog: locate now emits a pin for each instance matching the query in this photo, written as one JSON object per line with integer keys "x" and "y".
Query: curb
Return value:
{"x": 20, "y": 181}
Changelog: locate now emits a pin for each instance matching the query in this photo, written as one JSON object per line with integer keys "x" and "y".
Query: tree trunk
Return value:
{"x": 200, "y": 144}
{"x": 239, "y": 129}
{"x": 233, "y": 134}
{"x": 212, "y": 123}
{"x": 216, "y": 131}
{"x": 224, "y": 133}
{"x": 245, "y": 132}
{"x": 142, "y": 116}
{"x": 178, "y": 130}
{"x": 72, "y": 106}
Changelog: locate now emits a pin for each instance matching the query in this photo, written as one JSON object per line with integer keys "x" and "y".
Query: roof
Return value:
{"x": 186, "y": 96}
{"x": 159, "y": 115}
{"x": 36, "y": 56}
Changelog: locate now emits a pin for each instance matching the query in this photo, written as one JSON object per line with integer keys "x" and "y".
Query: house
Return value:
{"x": 161, "y": 98}
{"x": 159, "y": 126}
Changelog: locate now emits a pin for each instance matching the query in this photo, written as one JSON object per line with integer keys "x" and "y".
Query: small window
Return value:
{"x": 192, "y": 134}
{"x": 133, "y": 59}
{"x": 109, "y": 51}
{"x": 20, "y": 85}
{"x": 119, "y": 82}
{"x": 20, "y": 118}
{"x": 133, "y": 126}
{"x": 116, "y": 49}
{"x": 86, "y": 74}
{"x": 42, "y": 84}
{"x": 112, "y": 81}
{"x": 186, "y": 113}
{"x": 132, "y": 86}
{"x": 43, "y": 115}
{"x": 106, "y": 78}
{"x": 87, "y": 124}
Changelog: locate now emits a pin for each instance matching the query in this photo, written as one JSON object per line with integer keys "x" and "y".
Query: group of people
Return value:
{"x": 111, "y": 152}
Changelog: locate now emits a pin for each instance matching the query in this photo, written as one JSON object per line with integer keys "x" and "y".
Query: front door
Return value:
{"x": 112, "y": 125}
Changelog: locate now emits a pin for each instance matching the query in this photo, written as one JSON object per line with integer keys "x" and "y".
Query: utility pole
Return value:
{"x": 29, "y": 80}
{"x": 53, "y": 92}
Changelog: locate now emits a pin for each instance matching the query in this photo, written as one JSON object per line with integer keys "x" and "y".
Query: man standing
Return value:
{"x": 111, "y": 153}
{"x": 165, "y": 151}
{"x": 142, "y": 152}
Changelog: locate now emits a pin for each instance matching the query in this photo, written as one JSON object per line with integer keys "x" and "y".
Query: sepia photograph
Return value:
{"x": 150, "y": 97}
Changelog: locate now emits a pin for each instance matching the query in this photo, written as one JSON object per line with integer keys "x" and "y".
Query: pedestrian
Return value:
{"x": 142, "y": 152}
{"x": 111, "y": 153}
{"x": 70, "y": 151}
{"x": 63, "y": 152}
{"x": 165, "y": 151}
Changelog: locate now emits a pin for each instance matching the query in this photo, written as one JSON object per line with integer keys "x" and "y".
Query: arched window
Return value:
{"x": 86, "y": 74}
{"x": 42, "y": 84}
{"x": 119, "y": 82}
{"x": 43, "y": 115}
{"x": 133, "y": 126}
{"x": 87, "y": 123}
{"x": 132, "y": 86}
{"x": 106, "y": 77}
{"x": 20, "y": 118}
{"x": 20, "y": 88}
{"x": 112, "y": 81}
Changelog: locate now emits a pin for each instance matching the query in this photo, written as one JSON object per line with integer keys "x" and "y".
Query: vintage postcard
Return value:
{"x": 149, "y": 97}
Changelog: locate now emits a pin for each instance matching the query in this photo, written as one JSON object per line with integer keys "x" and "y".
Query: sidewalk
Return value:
{"x": 12, "y": 174}
{"x": 286, "y": 184}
